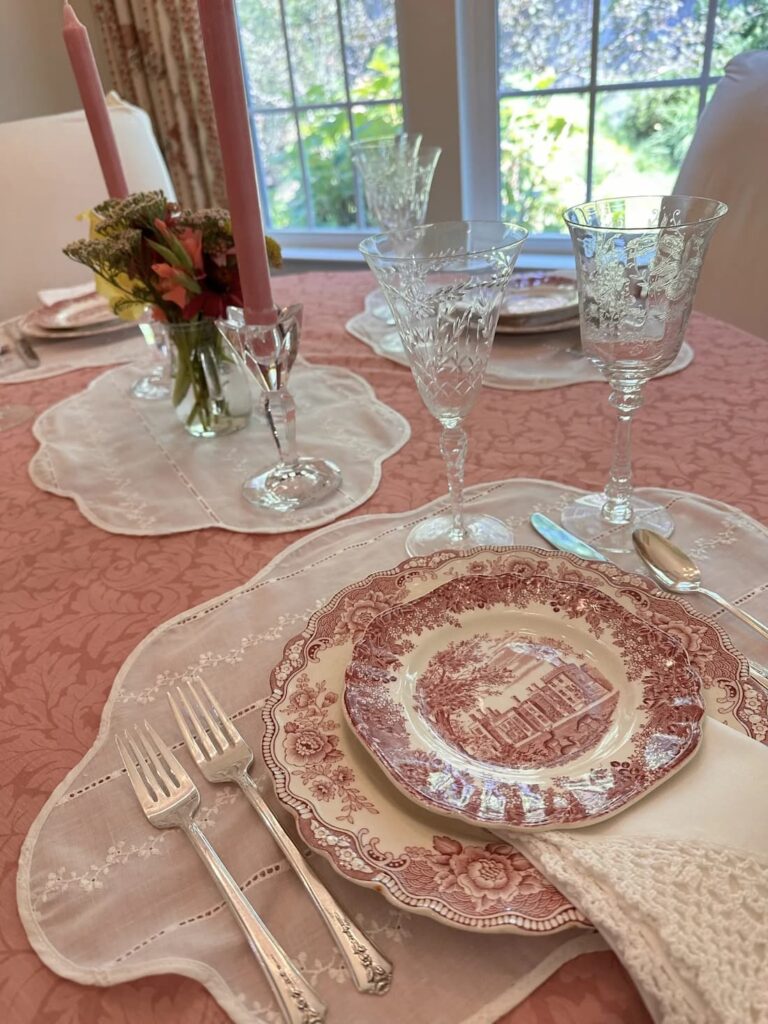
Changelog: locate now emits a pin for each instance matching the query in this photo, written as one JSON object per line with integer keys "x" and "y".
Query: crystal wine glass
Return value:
{"x": 269, "y": 352}
{"x": 638, "y": 260}
{"x": 156, "y": 384}
{"x": 445, "y": 283}
{"x": 397, "y": 178}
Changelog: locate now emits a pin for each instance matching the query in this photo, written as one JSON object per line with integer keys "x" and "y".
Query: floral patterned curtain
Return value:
{"x": 157, "y": 62}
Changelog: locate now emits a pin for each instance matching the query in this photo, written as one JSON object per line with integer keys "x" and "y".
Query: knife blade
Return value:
{"x": 28, "y": 355}
{"x": 562, "y": 540}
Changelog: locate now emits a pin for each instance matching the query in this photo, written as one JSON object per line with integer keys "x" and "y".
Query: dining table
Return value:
{"x": 76, "y": 599}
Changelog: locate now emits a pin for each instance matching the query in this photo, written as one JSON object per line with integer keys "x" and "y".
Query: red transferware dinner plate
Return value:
{"x": 531, "y": 699}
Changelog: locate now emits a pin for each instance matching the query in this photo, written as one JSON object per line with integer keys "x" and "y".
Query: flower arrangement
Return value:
{"x": 149, "y": 253}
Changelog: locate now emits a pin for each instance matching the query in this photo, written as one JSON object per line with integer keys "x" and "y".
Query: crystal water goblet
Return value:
{"x": 268, "y": 351}
{"x": 444, "y": 284}
{"x": 638, "y": 260}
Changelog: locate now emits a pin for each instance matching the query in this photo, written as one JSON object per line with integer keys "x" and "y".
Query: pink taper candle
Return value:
{"x": 222, "y": 53}
{"x": 92, "y": 95}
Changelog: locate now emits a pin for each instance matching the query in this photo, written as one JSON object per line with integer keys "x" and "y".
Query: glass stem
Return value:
{"x": 453, "y": 446}
{"x": 281, "y": 416}
{"x": 617, "y": 508}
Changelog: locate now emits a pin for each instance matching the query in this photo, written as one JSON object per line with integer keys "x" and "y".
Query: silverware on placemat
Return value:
{"x": 671, "y": 568}
{"x": 23, "y": 346}
{"x": 677, "y": 572}
{"x": 222, "y": 755}
{"x": 170, "y": 799}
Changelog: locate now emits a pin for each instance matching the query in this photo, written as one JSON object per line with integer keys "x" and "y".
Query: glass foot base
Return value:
{"x": 583, "y": 518}
{"x": 14, "y": 415}
{"x": 286, "y": 488}
{"x": 152, "y": 387}
{"x": 437, "y": 534}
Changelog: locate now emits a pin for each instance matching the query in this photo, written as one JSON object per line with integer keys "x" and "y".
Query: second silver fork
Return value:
{"x": 222, "y": 755}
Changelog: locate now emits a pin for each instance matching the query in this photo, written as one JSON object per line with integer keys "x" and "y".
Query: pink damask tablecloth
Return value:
{"x": 74, "y": 600}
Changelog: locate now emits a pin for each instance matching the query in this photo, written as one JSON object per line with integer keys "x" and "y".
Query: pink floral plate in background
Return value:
{"x": 526, "y": 700}
{"x": 346, "y": 809}
{"x": 539, "y": 301}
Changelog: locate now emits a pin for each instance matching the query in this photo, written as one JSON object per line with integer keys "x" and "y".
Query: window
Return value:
{"x": 537, "y": 104}
{"x": 601, "y": 97}
{"x": 320, "y": 73}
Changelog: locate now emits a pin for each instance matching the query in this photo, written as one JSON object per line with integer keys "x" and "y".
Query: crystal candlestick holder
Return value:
{"x": 268, "y": 351}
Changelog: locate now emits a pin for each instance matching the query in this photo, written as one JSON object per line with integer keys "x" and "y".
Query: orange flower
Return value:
{"x": 171, "y": 288}
{"x": 192, "y": 240}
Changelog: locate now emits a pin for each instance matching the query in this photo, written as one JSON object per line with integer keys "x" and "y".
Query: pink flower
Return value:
{"x": 488, "y": 877}
{"x": 299, "y": 699}
{"x": 322, "y": 789}
{"x": 308, "y": 745}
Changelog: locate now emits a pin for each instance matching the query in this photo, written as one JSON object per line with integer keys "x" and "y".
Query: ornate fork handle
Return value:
{"x": 371, "y": 971}
{"x": 298, "y": 1002}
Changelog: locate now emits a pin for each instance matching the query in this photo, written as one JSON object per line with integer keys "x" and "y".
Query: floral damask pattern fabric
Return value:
{"x": 75, "y": 601}
{"x": 157, "y": 62}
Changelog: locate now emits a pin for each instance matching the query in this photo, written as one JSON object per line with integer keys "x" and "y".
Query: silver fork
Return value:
{"x": 222, "y": 755}
{"x": 169, "y": 799}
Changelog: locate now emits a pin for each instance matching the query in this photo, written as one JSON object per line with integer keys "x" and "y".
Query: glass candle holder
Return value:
{"x": 268, "y": 351}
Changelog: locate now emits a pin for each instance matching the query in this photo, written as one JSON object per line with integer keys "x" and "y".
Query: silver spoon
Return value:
{"x": 675, "y": 571}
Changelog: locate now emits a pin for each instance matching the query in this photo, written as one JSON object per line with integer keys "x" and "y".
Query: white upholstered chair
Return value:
{"x": 49, "y": 174}
{"x": 728, "y": 160}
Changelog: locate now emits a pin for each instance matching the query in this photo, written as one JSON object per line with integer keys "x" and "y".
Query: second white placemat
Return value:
{"x": 132, "y": 469}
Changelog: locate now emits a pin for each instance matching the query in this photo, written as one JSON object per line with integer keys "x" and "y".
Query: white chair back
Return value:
{"x": 728, "y": 160}
{"x": 49, "y": 174}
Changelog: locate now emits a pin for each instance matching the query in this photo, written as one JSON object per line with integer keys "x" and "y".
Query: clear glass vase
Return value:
{"x": 210, "y": 391}
{"x": 638, "y": 260}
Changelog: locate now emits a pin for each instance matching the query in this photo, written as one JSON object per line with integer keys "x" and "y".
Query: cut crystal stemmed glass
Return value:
{"x": 638, "y": 260}
{"x": 268, "y": 352}
{"x": 397, "y": 178}
{"x": 397, "y": 181}
{"x": 444, "y": 284}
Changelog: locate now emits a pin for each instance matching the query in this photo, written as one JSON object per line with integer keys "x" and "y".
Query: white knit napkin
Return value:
{"x": 678, "y": 884}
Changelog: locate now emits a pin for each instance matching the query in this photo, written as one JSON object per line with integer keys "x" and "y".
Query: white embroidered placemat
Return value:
{"x": 530, "y": 362}
{"x": 105, "y": 898}
{"x": 57, "y": 357}
{"x": 131, "y": 467}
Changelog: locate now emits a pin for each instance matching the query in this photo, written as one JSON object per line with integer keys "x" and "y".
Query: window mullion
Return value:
{"x": 595, "y": 43}
{"x": 350, "y": 119}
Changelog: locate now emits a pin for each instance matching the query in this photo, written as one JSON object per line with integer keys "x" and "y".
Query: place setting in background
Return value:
{"x": 537, "y": 345}
{"x": 66, "y": 332}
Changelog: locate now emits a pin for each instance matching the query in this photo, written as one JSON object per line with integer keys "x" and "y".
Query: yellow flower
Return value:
{"x": 117, "y": 294}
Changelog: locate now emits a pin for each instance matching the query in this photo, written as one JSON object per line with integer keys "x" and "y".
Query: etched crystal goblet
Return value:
{"x": 638, "y": 260}
{"x": 269, "y": 351}
{"x": 445, "y": 283}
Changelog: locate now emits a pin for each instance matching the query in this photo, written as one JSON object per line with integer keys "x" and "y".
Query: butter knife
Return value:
{"x": 562, "y": 540}
{"x": 28, "y": 355}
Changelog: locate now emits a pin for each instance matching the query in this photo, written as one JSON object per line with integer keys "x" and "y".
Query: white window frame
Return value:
{"x": 454, "y": 103}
